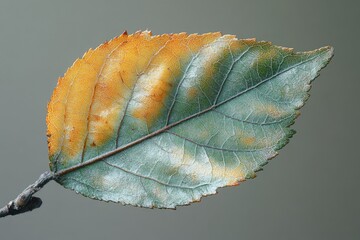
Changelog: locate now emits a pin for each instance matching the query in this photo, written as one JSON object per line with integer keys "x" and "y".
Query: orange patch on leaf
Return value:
{"x": 167, "y": 66}
{"x": 117, "y": 82}
{"x": 69, "y": 106}
{"x": 247, "y": 140}
{"x": 89, "y": 102}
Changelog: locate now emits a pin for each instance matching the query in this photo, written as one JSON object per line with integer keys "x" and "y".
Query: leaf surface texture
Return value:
{"x": 167, "y": 119}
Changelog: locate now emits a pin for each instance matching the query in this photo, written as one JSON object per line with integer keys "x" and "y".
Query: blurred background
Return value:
{"x": 310, "y": 191}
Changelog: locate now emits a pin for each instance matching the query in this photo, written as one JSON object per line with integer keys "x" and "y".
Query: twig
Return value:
{"x": 25, "y": 201}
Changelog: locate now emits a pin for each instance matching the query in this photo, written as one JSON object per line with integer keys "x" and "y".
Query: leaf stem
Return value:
{"x": 25, "y": 201}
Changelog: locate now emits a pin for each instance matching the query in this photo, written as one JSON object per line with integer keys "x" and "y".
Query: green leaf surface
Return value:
{"x": 196, "y": 113}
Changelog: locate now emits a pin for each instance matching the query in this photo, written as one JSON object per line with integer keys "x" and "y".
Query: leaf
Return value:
{"x": 160, "y": 121}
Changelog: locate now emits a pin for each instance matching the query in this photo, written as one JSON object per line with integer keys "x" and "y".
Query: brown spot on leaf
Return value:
{"x": 247, "y": 140}
{"x": 192, "y": 92}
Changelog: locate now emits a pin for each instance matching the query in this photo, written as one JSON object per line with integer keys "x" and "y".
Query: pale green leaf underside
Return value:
{"x": 230, "y": 131}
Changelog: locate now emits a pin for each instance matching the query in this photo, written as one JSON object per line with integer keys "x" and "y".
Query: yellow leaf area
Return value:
{"x": 91, "y": 99}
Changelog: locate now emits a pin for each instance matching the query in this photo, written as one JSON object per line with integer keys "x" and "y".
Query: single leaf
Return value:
{"x": 160, "y": 121}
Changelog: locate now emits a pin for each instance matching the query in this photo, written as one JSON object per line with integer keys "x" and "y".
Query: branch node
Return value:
{"x": 25, "y": 201}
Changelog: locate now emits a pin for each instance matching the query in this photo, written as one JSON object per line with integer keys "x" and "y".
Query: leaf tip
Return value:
{"x": 330, "y": 51}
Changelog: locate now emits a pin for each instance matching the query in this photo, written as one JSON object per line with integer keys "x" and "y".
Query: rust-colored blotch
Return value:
{"x": 90, "y": 100}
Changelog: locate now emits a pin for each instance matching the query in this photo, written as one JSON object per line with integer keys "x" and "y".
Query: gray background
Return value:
{"x": 310, "y": 191}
